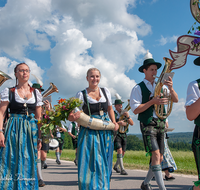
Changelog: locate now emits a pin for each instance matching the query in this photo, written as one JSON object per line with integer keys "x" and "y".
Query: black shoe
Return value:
{"x": 58, "y": 162}
{"x": 41, "y": 183}
{"x": 116, "y": 169}
{"x": 45, "y": 166}
{"x": 123, "y": 172}
{"x": 153, "y": 179}
{"x": 146, "y": 187}
{"x": 169, "y": 178}
{"x": 75, "y": 162}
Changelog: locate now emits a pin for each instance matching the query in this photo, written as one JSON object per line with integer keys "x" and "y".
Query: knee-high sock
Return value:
{"x": 156, "y": 169}
{"x": 39, "y": 171}
{"x": 149, "y": 176}
{"x": 58, "y": 156}
{"x": 120, "y": 158}
{"x": 117, "y": 162}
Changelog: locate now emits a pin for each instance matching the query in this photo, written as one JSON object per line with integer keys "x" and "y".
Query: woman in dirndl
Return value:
{"x": 95, "y": 147}
{"x": 168, "y": 164}
{"x": 19, "y": 141}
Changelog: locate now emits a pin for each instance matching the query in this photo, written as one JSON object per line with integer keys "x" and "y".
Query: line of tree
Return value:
{"x": 136, "y": 143}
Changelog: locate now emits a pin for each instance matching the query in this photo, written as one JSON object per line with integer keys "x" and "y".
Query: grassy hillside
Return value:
{"x": 185, "y": 137}
{"x": 137, "y": 160}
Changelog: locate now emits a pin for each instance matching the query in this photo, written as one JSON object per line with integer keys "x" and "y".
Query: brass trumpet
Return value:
{"x": 50, "y": 90}
{"x": 3, "y": 77}
{"x": 163, "y": 111}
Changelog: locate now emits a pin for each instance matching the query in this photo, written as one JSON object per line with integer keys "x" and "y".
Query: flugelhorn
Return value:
{"x": 50, "y": 90}
{"x": 123, "y": 129}
{"x": 163, "y": 111}
{"x": 3, "y": 77}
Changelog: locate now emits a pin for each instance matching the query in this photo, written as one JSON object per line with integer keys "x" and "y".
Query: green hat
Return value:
{"x": 197, "y": 61}
{"x": 118, "y": 101}
{"x": 37, "y": 85}
{"x": 148, "y": 60}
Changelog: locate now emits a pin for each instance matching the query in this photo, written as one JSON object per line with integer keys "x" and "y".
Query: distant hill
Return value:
{"x": 185, "y": 137}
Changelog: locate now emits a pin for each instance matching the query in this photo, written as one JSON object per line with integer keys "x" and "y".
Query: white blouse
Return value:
{"x": 79, "y": 95}
{"x": 193, "y": 93}
{"x": 136, "y": 95}
{"x": 4, "y": 96}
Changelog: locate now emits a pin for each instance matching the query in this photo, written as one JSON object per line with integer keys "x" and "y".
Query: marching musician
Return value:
{"x": 121, "y": 137}
{"x": 73, "y": 130}
{"x": 192, "y": 111}
{"x": 60, "y": 136}
{"x": 42, "y": 154}
{"x": 142, "y": 102}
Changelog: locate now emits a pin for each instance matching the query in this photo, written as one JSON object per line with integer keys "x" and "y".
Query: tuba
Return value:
{"x": 163, "y": 111}
{"x": 3, "y": 77}
{"x": 50, "y": 90}
{"x": 123, "y": 129}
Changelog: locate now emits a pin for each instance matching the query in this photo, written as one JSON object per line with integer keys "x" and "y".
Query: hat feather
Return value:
{"x": 38, "y": 80}
{"x": 148, "y": 55}
{"x": 118, "y": 97}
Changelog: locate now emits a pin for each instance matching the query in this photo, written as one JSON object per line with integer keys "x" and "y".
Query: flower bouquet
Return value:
{"x": 60, "y": 112}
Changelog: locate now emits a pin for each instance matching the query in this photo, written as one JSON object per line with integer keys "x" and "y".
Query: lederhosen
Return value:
{"x": 74, "y": 132}
{"x": 121, "y": 138}
{"x": 60, "y": 139}
{"x": 152, "y": 128}
{"x": 196, "y": 140}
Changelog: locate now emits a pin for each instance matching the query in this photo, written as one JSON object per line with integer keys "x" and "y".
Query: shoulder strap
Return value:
{"x": 104, "y": 93}
{"x": 10, "y": 96}
{"x": 86, "y": 100}
{"x": 34, "y": 92}
{"x": 198, "y": 81}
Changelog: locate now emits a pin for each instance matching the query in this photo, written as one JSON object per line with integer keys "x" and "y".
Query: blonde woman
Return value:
{"x": 95, "y": 147}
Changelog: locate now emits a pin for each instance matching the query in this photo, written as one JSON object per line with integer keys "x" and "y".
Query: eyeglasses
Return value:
{"x": 23, "y": 70}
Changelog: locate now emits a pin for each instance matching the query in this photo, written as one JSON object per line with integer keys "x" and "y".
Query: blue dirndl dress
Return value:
{"x": 95, "y": 154}
{"x": 168, "y": 160}
{"x": 18, "y": 166}
{"x": 18, "y": 159}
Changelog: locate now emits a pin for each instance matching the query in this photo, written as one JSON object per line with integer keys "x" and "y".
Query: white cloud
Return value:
{"x": 164, "y": 40}
{"x": 103, "y": 27}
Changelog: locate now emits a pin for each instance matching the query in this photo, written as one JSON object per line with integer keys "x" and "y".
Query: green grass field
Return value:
{"x": 137, "y": 160}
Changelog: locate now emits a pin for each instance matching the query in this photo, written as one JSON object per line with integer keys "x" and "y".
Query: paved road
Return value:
{"x": 64, "y": 176}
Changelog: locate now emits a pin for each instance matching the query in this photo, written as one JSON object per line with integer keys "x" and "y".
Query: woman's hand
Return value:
{"x": 122, "y": 123}
{"x": 116, "y": 126}
{"x": 2, "y": 139}
{"x": 74, "y": 116}
{"x": 47, "y": 105}
{"x": 39, "y": 145}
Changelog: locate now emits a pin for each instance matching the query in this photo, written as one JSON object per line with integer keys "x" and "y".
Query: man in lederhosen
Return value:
{"x": 41, "y": 162}
{"x": 73, "y": 130}
{"x": 60, "y": 136}
{"x": 121, "y": 138}
{"x": 142, "y": 102}
{"x": 192, "y": 111}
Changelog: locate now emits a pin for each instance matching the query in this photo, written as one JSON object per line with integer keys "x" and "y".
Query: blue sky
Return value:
{"x": 61, "y": 39}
